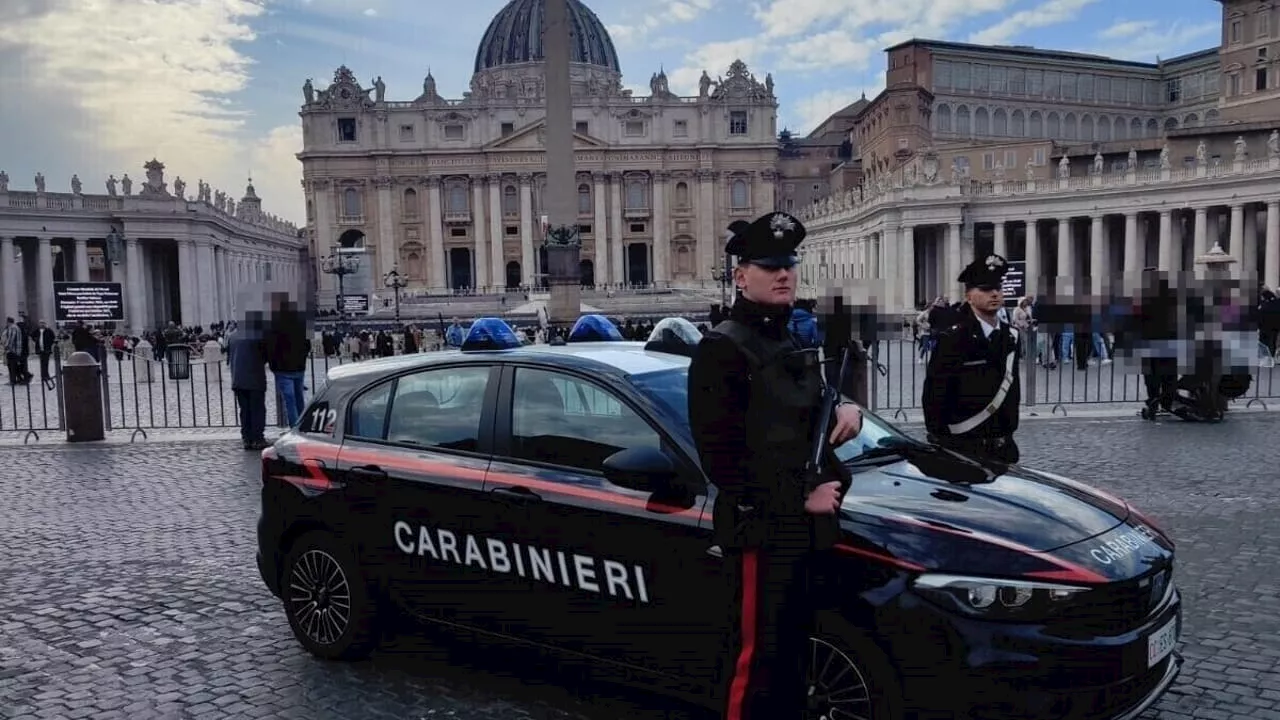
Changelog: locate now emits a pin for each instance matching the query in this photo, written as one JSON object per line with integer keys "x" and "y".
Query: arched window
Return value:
{"x": 584, "y": 199}
{"x": 1054, "y": 126}
{"x": 1086, "y": 128}
{"x": 1210, "y": 116}
{"x": 1017, "y": 124}
{"x": 738, "y": 196}
{"x": 1069, "y": 126}
{"x": 1153, "y": 128}
{"x": 1121, "y": 129}
{"x": 410, "y": 208}
{"x": 351, "y": 206}
{"x": 1135, "y": 128}
{"x": 1000, "y": 123}
{"x": 457, "y": 198}
{"x": 1191, "y": 120}
{"x": 962, "y": 121}
{"x": 636, "y": 195}
{"x": 981, "y": 122}
{"x": 1104, "y": 129}
{"x": 942, "y": 118}
{"x": 1171, "y": 124}
{"x": 1035, "y": 128}
{"x": 510, "y": 201}
{"x": 682, "y": 195}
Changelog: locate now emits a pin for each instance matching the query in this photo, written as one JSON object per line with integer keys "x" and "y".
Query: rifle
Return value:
{"x": 815, "y": 465}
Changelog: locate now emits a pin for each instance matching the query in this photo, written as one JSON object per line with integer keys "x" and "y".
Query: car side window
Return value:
{"x": 563, "y": 420}
{"x": 367, "y": 416}
{"x": 439, "y": 408}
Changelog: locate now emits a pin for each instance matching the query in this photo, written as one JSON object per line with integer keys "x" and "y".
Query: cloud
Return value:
{"x": 715, "y": 58}
{"x": 658, "y": 14}
{"x": 827, "y": 50}
{"x": 1047, "y": 13}
{"x": 117, "y": 82}
{"x": 1124, "y": 29}
{"x": 277, "y": 174}
{"x": 370, "y": 12}
{"x": 1147, "y": 40}
{"x": 786, "y": 18}
{"x": 809, "y": 112}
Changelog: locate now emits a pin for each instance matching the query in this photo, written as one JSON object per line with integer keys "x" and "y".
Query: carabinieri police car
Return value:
{"x": 552, "y": 495}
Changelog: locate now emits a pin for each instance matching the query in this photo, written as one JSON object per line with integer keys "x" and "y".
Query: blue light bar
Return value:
{"x": 594, "y": 328}
{"x": 490, "y": 334}
{"x": 674, "y": 335}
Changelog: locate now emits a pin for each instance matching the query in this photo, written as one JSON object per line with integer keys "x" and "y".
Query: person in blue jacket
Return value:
{"x": 804, "y": 325}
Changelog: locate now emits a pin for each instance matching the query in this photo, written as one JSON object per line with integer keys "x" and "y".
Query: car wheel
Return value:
{"x": 850, "y": 679}
{"x": 327, "y": 600}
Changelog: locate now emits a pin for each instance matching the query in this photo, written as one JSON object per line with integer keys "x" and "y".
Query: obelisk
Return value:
{"x": 562, "y": 241}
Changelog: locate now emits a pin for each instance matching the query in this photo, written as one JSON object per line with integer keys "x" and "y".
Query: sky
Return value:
{"x": 212, "y": 88}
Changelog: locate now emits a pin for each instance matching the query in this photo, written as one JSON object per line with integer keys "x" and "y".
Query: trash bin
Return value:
{"x": 179, "y": 362}
{"x": 82, "y": 397}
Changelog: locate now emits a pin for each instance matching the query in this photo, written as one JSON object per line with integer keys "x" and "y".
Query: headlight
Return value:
{"x": 996, "y": 598}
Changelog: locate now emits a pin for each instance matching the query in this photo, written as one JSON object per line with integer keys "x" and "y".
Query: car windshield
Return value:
{"x": 669, "y": 389}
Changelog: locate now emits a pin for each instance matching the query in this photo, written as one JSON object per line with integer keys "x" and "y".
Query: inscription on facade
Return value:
{"x": 683, "y": 157}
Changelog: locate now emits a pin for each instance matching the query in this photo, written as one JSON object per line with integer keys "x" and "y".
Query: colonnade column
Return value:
{"x": 207, "y": 306}
{"x": 1272, "y": 274}
{"x": 82, "y": 260}
{"x": 615, "y": 228}
{"x": 186, "y": 284}
{"x": 386, "y": 228}
{"x": 660, "y": 224}
{"x": 8, "y": 280}
{"x": 136, "y": 304}
{"x": 1237, "y": 238}
{"x": 1066, "y": 285}
{"x": 1001, "y": 243}
{"x": 1249, "y": 250}
{"x": 1134, "y": 247}
{"x": 478, "y": 226}
{"x": 906, "y": 270}
{"x": 1096, "y": 256}
{"x": 1032, "y": 255}
{"x": 497, "y": 258}
{"x": 526, "y": 229}
{"x": 954, "y": 263}
{"x": 710, "y": 242}
{"x": 1202, "y": 232}
{"x": 1164, "y": 260}
{"x": 435, "y": 236}
{"x": 600, "y": 228}
{"x": 44, "y": 279}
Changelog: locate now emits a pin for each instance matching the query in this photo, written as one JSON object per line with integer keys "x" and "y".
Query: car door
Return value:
{"x": 415, "y": 451}
{"x": 610, "y": 571}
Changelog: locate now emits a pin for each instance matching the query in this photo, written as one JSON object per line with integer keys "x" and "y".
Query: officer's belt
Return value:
{"x": 965, "y": 426}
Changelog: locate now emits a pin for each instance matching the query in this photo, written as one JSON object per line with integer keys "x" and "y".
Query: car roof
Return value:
{"x": 614, "y": 358}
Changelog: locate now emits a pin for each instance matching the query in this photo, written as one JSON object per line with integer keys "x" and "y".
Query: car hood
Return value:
{"x": 1002, "y": 505}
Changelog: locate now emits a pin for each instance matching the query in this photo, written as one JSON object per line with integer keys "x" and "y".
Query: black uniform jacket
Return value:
{"x": 964, "y": 375}
{"x": 719, "y": 414}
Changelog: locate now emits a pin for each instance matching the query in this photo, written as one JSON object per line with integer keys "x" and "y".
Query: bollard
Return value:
{"x": 143, "y": 352}
{"x": 82, "y": 398}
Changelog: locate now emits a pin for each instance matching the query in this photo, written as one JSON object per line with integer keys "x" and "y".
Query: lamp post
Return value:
{"x": 724, "y": 276}
{"x": 396, "y": 282}
{"x": 341, "y": 265}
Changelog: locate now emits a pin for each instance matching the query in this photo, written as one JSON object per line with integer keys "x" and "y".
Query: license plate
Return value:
{"x": 1161, "y": 642}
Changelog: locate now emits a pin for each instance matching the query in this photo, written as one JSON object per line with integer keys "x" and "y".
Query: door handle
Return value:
{"x": 368, "y": 472}
{"x": 517, "y": 493}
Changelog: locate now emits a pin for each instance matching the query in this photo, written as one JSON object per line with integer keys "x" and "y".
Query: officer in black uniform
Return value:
{"x": 971, "y": 387}
{"x": 754, "y": 393}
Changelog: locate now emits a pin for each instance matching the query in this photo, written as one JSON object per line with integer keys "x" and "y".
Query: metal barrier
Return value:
{"x": 897, "y": 380}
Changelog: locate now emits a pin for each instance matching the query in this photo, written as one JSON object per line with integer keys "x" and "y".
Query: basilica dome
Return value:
{"x": 515, "y": 36}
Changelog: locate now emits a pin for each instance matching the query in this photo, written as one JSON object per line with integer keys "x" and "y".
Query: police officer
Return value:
{"x": 753, "y": 396}
{"x": 971, "y": 387}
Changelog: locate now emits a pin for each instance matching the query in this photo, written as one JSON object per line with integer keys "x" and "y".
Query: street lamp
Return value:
{"x": 396, "y": 282}
{"x": 342, "y": 265}
{"x": 724, "y": 276}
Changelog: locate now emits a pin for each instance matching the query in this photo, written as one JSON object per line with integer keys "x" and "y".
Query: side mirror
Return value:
{"x": 645, "y": 469}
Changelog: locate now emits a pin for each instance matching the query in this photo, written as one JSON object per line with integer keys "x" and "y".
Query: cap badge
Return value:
{"x": 994, "y": 262}
{"x": 780, "y": 224}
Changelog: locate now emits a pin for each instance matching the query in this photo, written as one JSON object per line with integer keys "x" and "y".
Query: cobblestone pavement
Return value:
{"x": 205, "y": 399}
{"x": 129, "y": 590}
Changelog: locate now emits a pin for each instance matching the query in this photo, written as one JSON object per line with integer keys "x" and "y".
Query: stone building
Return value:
{"x": 450, "y": 191}
{"x": 971, "y": 149}
{"x": 181, "y": 258}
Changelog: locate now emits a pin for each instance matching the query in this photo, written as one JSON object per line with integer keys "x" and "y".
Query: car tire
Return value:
{"x": 328, "y": 601}
{"x": 832, "y": 687}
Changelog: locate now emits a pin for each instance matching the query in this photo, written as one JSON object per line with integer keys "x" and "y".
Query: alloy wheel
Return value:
{"x": 838, "y": 689}
{"x": 320, "y": 597}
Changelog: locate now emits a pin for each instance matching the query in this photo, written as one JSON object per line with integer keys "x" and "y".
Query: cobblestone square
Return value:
{"x": 129, "y": 588}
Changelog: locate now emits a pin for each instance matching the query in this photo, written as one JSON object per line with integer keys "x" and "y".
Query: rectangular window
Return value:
{"x": 453, "y": 132}
{"x": 1235, "y": 32}
{"x": 1035, "y": 83}
{"x": 637, "y": 227}
{"x": 346, "y": 130}
{"x": 1262, "y": 54}
{"x": 406, "y": 133}
{"x": 738, "y": 122}
{"x": 1084, "y": 84}
{"x": 634, "y": 128}
{"x": 1018, "y": 81}
{"x": 512, "y": 230}
{"x": 980, "y": 78}
{"x": 584, "y": 229}
{"x": 999, "y": 80}
{"x": 942, "y": 74}
{"x": 1173, "y": 90}
{"x": 962, "y": 76}
{"x": 1011, "y": 158}
{"x": 1260, "y": 79}
{"x": 904, "y": 144}
{"x": 1102, "y": 87}
{"x": 508, "y": 128}
{"x": 1235, "y": 85}
{"x": 680, "y": 128}
{"x": 1264, "y": 23}
{"x": 581, "y": 127}
{"x": 1039, "y": 156}
{"x": 1053, "y": 84}
{"x": 988, "y": 161}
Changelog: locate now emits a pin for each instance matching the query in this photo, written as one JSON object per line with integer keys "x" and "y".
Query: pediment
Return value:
{"x": 533, "y": 137}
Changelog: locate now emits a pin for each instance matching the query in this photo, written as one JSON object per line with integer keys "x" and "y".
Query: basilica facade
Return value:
{"x": 449, "y": 192}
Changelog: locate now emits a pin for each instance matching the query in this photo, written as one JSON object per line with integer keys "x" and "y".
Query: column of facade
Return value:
{"x": 526, "y": 229}
{"x": 386, "y": 228}
{"x": 660, "y": 225}
{"x": 615, "y": 227}
{"x": 600, "y": 228}
{"x": 435, "y": 237}
{"x": 44, "y": 279}
{"x": 1134, "y": 247}
{"x": 1032, "y": 256}
{"x": 207, "y": 306}
{"x": 480, "y": 228}
{"x": 710, "y": 242}
{"x": 1001, "y": 243}
{"x": 954, "y": 263}
{"x": 1066, "y": 285}
{"x": 186, "y": 284}
{"x": 8, "y": 280}
{"x": 1164, "y": 259}
{"x": 133, "y": 291}
{"x": 324, "y": 206}
{"x": 1202, "y": 233}
{"x": 81, "y": 264}
{"x": 1097, "y": 255}
{"x": 1249, "y": 251}
{"x": 1271, "y": 276}
{"x": 906, "y": 268}
{"x": 497, "y": 259}
{"x": 1237, "y": 237}
{"x": 223, "y": 283}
